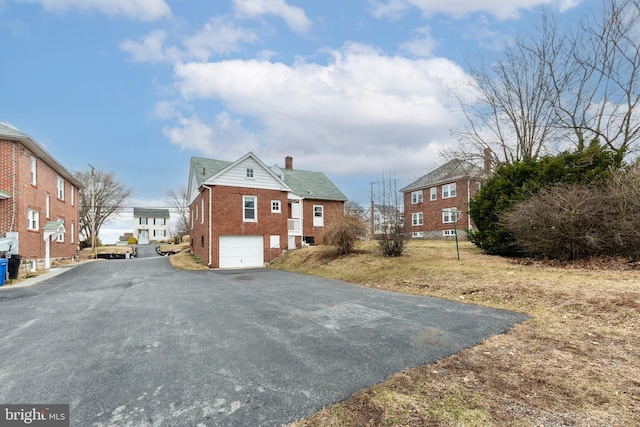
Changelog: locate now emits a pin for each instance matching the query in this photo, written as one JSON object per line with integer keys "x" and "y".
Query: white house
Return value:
{"x": 151, "y": 225}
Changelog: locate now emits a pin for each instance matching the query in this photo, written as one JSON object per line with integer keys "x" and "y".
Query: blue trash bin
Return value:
{"x": 3, "y": 270}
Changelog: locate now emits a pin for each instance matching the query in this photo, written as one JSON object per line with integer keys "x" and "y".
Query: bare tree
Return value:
{"x": 390, "y": 230}
{"x": 557, "y": 86}
{"x": 507, "y": 103}
{"x": 179, "y": 201}
{"x": 602, "y": 69}
{"x": 109, "y": 196}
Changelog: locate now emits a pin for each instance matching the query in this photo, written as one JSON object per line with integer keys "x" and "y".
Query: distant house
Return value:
{"x": 244, "y": 213}
{"x": 437, "y": 204}
{"x": 38, "y": 202}
{"x": 151, "y": 225}
{"x": 384, "y": 216}
{"x": 124, "y": 239}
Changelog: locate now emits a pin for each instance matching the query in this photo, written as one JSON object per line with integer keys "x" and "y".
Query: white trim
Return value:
{"x": 416, "y": 197}
{"x": 449, "y": 190}
{"x": 318, "y": 220}
{"x": 417, "y": 219}
{"x": 245, "y": 199}
{"x": 33, "y": 216}
{"x": 448, "y": 215}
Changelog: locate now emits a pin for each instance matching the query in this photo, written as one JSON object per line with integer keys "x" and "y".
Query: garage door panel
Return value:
{"x": 241, "y": 251}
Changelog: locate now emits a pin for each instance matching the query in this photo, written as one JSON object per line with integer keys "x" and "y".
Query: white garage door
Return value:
{"x": 241, "y": 251}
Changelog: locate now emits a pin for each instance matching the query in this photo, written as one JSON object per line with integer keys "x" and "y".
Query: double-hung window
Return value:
{"x": 318, "y": 216}
{"x": 417, "y": 219}
{"x": 448, "y": 215}
{"x": 33, "y": 170}
{"x": 434, "y": 193}
{"x": 416, "y": 197}
{"x": 60, "y": 188}
{"x": 449, "y": 190}
{"x": 34, "y": 219}
{"x": 250, "y": 208}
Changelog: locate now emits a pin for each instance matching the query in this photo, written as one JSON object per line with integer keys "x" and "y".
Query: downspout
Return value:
{"x": 210, "y": 226}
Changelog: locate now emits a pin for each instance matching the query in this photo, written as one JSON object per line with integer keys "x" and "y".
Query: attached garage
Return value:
{"x": 241, "y": 251}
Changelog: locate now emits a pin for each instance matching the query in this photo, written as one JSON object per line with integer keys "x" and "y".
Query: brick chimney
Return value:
{"x": 487, "y": 160}
{"x": 288, "y": 163}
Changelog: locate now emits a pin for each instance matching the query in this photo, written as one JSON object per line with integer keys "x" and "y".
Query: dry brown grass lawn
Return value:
{"x": 575, "y": 362}
{"x": 185, "y": 260}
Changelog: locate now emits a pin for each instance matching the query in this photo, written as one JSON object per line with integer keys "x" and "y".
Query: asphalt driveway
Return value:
{"x": 136, "y": 343}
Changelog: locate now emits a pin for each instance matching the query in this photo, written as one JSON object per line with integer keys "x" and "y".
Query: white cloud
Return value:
{"x": 151, "y": 48}
{"x": 362, "y": 112}
{"x": 422, "y": 44}
{"x": 501, "y": 9}
{"x": 292, "y": 15}
{"x": 165, "y": 110}
{"x": 220, "y": 36}
{"x": 143, "y": 10}
{"x": 224, "y": 138}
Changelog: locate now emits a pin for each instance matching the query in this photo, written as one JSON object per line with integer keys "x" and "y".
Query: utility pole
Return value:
{"x": 372, "y": 210}
{"x": 93, "y": 214}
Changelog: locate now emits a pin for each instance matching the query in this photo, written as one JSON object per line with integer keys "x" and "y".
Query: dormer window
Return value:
{"x": 249, "y": 173}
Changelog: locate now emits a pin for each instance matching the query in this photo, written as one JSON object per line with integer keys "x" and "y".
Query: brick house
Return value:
{"x": 437, "y": 204}
{"x": 244, "y": 213}
{"x": 151, "y": 225}
{"x": 38, "y": 202}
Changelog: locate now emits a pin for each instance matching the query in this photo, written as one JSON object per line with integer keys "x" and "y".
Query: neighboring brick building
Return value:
{"x": 151, "y": 225}
{"x": 244, "y": 213}
{"x": 438, "y": 203}
{"x": 38, "y": 201}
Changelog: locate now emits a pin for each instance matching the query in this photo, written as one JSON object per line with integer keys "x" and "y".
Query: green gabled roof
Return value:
{"x": 312, "y": 185}
{"x": 205, "y": 168}
{"x": 449, "y": 172}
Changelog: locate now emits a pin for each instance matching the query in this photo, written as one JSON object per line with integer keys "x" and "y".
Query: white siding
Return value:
{"x": 236, "y": 177}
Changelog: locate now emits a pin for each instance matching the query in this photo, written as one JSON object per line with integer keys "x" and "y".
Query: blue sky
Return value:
{"x": 355, "y": 88}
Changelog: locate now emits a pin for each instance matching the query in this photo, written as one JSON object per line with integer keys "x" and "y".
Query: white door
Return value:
{"x": 143, "y": 237}
{"x": 241, "y": 251}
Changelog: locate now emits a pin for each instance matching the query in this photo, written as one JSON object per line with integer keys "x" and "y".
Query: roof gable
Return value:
{"x": 451, "y": 171}
{"x": 11, "y": 134}
{"x": 236, "y": 174}
{"x": 306, "y": 184}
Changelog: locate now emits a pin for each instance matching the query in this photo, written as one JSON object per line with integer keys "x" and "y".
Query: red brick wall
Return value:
{"x": 226, "y": 218}
{"x": 332, "y": 210}
{"x": 432, "y": 210}
{"x": 16, "y": 157}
